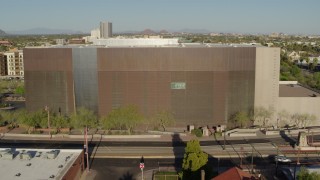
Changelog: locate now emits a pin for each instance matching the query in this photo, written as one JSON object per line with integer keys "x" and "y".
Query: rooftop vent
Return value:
{"x": 52, "y": 154}
{"x": 2, "y": 152}
{"x": 8, "y": 155}
{"x": 38, "y": 154}
{"x": 25, "y": 156}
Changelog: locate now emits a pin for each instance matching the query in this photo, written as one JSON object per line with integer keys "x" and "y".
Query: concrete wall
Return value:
{"x": 301, "y": 105}
{"x": 267, "y": 77}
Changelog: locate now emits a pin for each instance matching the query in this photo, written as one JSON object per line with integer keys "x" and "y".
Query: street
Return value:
{"x": 120, "y": 160}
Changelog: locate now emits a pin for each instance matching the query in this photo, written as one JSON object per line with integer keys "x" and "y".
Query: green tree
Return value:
{"x": 241, "y": 118}
{"x": 194, "y": 157}
{"x": 295, "y": 71}
{"x": 307, "y": 61}
{"x": 194, "y": 160}
{"x": 8, "y": 117}
{"x": 108, "y": 122}
{"x": 33, "y": 120}
{"x": 59, "y": 122}
{"x": 83, "y": 118}
{"x": 127, "y": 117}
{"x": 314, "y": 63}
{"x": 20, "y": 90}
{"x": 2, "y": 119}
{"x": 304, "y": 174}
{"x": 164, "y": 119}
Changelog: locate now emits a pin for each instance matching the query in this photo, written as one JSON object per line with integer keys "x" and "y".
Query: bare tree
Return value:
{"x": 164, "y": 119}
{"x": 306, "y": 119}
{"x": 263, "y": 115}
{"x": 297, "y": 119}
{"x": 283, "y": 116}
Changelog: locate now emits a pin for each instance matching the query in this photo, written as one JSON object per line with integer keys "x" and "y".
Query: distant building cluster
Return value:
{"x": 103, "y": 32}
{"x": 103, "y": 37}
{"x": 11, "y": 64}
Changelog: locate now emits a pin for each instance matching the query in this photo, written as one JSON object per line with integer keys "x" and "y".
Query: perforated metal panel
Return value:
{"x": 217, "y": 81}
{"x": 85, "y": 77}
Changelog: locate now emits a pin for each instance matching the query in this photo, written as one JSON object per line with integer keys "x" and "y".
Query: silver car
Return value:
{"x": 282, "y": 158}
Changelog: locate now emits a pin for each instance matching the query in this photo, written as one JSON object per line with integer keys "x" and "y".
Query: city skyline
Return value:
{"x": 249, "y": 16}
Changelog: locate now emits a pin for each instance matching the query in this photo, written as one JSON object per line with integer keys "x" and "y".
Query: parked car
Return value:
{"x": 282, "y": 158}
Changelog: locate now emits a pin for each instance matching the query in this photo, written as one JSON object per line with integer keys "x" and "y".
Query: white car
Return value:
{"x": 282, "y": 158}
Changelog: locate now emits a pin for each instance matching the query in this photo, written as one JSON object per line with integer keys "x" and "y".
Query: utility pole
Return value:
{"x": 312, "y": 138}
{"x": 241, "y": 153}
{"x": 48, "y": 111}
{"x": 86, "y": 146}
{"x": 252, "y": 160}
{"x": 298, "y": 160}
{"x": 142, "y": 167}
{"x": 277, "y": 161}
{"x": 224, "y": 140}
{"x": 218, "y": 165}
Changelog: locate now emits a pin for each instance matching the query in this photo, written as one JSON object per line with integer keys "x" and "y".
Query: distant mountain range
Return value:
{"x": 150, "y": 31}
{"x": 2, "y": 33}
{"x": 38, "y": 31}
{"x": 46, "y": 31}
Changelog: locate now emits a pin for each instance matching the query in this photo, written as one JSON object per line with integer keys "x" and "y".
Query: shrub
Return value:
{"x": 197, "y": 132}
{"x": 218, "y": 134}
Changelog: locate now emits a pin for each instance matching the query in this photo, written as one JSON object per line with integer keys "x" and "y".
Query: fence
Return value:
{"x": 165, "y": 175}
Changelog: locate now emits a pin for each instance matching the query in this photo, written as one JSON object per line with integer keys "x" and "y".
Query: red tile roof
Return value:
{"x": 234, "y": 174}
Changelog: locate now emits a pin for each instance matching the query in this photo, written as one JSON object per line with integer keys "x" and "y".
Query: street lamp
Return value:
{"x": 252, "y": 159}
{"x": 224, "y": 140}
{"x": 48, "y": 111}
{"x": 86, "y": 146}
{"x": 142, "y": 166}
{"x": 277, "y": 161}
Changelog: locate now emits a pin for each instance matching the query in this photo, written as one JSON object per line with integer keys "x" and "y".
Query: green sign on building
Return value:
{"x": 178, "y": 85}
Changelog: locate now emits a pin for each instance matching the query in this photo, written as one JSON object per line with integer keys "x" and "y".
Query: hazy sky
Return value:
{"x": 246, "y": 16}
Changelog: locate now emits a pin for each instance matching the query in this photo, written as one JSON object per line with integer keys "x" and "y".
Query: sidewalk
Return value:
{"x": 88, "y": 175}
{"x": 15, "y": 134}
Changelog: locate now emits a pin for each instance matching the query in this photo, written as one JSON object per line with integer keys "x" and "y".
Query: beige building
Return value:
{"x": 12, "y": 64}
{"x": 296, "y": 99}
{"x": 3, "y": 65}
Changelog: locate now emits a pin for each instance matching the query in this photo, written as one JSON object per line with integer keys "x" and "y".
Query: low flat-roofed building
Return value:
{"x": 66, "y": 164}
{"x": 296, "y": 99}
{"x": 296, "y": 90}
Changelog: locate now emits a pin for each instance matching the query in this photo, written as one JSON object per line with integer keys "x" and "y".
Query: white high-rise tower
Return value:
{"x": 105, "y": 30}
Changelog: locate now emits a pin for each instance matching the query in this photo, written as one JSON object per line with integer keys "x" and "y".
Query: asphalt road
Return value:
{"x": 67, "y": 144}
{"x": 127, "y": 168}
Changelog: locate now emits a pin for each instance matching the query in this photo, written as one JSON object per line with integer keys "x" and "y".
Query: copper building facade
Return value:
{"x": 200, "y": 85}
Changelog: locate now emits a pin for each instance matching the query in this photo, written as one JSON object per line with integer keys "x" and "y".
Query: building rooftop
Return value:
{"x": 296, "y": 90}
{"x": 36, "y": 163}
{"x": 180, "y": 45}
{"x": 234, "y": 174}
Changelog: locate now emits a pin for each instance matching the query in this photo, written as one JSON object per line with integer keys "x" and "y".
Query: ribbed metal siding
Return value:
{"x": 48, "y": 80}
{"x": 85, "y": 77}
{"x": 219, "y": 81}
